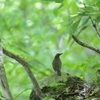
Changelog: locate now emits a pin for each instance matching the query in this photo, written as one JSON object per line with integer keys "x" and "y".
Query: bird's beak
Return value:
{"x": 61, "y": 53}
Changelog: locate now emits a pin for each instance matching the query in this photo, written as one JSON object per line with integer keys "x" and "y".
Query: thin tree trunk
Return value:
{"x": 3, "y": 78}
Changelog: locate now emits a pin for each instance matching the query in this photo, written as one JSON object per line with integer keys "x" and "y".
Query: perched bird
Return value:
{"x": 57, "y": 64}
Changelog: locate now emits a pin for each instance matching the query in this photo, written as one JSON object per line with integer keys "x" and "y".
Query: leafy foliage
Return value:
{"x": 37, "y": 30}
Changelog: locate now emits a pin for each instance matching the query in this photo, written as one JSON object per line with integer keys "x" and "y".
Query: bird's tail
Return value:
{"x": 59, "y": 72}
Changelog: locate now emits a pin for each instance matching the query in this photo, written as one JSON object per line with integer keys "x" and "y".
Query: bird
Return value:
{"x": 57, "y": 64}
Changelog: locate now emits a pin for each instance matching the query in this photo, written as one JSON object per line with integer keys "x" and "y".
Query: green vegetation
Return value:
{"x": 38, "y": 29}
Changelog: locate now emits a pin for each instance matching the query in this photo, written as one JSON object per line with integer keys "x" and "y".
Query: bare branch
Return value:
{"x": 29, "y": 72}
{"x": 85, "y": 45}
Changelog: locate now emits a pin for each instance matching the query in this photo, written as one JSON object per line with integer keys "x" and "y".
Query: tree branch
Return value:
{"x": 29, "y": 72}
{"x": 94, "y": 25}
{"x": 85, "y": 45}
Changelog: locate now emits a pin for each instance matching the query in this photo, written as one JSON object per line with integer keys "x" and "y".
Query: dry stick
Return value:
{"x": 85, "y": 45}
{"x": 29, "y": 72}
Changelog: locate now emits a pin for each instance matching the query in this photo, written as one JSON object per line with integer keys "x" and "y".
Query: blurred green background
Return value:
{"x": 38, "y": 29}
